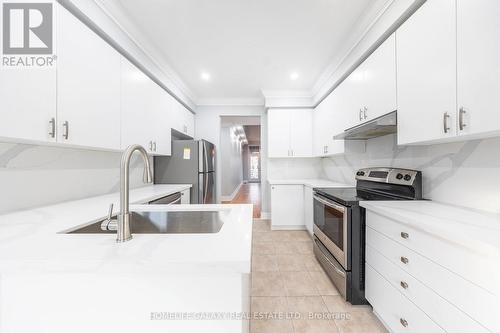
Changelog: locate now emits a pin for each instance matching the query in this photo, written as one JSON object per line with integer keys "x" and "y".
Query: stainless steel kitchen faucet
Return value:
{"x": 123, "y": 232}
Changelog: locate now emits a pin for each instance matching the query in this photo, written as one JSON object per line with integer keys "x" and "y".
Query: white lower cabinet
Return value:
{"x": 406, "y": 268}
{"x": 309, "y": 209}
{"x": 395, "y": 310}
{"x": 186, "y": 197}
{"x": 287, "y": 207}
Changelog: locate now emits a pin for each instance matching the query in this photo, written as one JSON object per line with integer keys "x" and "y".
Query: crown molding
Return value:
{"x": 257, "y": 101}
{"x": 288, "y": 98}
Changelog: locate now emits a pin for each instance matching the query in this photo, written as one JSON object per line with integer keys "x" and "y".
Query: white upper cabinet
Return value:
{"x": 28, "y": 104}
{"x": 183, "y": 119}
{"x": 426, "y": 74}
{"x": 161, "y": 123}
{"x": 478, "y": 55}
{"x": 145, "y": 112}
{"x": 278, "y": 125}
{"x": 301, "y": 132}
{"x": 328, "y": 121}
{"x": 137, "y": 107}
{"x": 370, "y": 90}
{"x": 88, "y": 86}
{"x": 290, "y": 132}
{"x": 379, "y": 80}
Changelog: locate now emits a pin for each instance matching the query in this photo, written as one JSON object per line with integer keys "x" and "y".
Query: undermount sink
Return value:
{"x": 163, "y": 222}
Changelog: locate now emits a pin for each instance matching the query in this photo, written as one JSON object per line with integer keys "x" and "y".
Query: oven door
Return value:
{"x": 330, "y": 227}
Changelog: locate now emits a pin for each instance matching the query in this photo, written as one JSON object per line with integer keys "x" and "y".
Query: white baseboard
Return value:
{"x": 231, "y": 197}
{"x": 288, "y": 227}
{"x": 265, "y": 215}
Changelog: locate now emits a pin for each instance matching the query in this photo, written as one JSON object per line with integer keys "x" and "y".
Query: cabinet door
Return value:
{"x": 426, "y": 74}
{"x": 308, "y": 209}
{"x": 88, "y": 86}
{"x": 319, "y": 129}
{"x": 301, "y": 132}
{"x": 188, "y": 117}
{"x": 478, "y": 55}
{"x": 287, "y": 206}
{"x": 136, "y": 100}
{"x": 28, "y": 103}
{"x": 349, "y": 93}
{"x": 379, "y": 76}
{"x": 278, "y": 124}
{"x": 161, "y": 121}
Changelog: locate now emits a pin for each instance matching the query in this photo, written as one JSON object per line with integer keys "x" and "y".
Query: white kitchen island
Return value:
{"x": 56, "y": 282}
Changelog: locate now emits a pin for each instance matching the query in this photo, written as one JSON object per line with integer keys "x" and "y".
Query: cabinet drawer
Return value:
{"x": 471, "y": 265}
{"x": 446, "y": 315}
{"x": 395, "y": 309}
{"x": 468, "y": 297}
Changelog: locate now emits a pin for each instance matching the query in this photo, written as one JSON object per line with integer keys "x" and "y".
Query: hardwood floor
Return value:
{"x": 248, "y": 194}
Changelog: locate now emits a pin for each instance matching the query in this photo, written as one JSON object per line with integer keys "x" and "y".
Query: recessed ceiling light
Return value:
{"x": 205, "y": 76}
{"x": 294, "y": 76}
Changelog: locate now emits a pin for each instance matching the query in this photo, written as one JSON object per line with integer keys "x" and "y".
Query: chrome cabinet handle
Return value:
{"x": 404, "y": 285}
{"x": 404, "y": 260}
{"x": 461, "y": 122}
{"x": 52, "y": 123}
{"x": 364, "y": 111}
{"x": 445, "y": 122}
{"x": 66, "y": 130}
{"x": 151, "y": 145}
{"x": 154, "y": 146}
{"x": 404, "y": 235}
{"x": 403, "y": 322}
{"x": 360, "y": 115}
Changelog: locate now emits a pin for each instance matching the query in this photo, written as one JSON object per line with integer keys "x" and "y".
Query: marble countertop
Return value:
{"x": 35, "y": 236}
{"x": 308, "y": 182}
{"x": 476, "y": 230}
{"x": 49, "y": 280}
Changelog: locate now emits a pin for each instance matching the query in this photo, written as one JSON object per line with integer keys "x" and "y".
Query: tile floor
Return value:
{"x": 292, "y": 294}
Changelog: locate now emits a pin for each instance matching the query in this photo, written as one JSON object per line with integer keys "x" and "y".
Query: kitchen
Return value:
{"x": 378, "y": 166}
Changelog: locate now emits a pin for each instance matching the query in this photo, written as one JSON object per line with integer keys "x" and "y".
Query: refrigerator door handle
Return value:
{"x": 205, "y": 154}
{"x": 206, "y": 189}
{"x": 200, "y": 188}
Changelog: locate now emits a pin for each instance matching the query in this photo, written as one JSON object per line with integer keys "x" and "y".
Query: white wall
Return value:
{"x": 464, "y": 174}
{"x": 230, "y": 153}
{"x": 208, "y": 126}
{"x": 32, "y": 176}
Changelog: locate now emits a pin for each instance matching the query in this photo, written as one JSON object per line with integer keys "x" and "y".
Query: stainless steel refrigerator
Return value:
{"x": 192, "y": 162}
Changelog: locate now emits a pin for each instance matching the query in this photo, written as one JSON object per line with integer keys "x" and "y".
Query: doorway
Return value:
{"x": 240, "y": 153}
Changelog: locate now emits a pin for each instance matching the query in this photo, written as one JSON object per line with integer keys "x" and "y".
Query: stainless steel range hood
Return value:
{"x": 383, "y": 125}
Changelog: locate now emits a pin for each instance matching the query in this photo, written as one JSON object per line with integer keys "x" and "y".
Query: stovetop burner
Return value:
{"x": 352, "y": 196}
{"x": 378, "y": 184}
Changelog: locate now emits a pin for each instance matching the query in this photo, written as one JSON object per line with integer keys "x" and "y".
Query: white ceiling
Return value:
{"x": 247, "y": 45}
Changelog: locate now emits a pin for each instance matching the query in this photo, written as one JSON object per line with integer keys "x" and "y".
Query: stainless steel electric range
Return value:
{"x": 339, "y": 223}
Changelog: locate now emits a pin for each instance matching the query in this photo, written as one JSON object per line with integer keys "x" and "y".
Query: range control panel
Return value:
{"x": 388, "y": 175}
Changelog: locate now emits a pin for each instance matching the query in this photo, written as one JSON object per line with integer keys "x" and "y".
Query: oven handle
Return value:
{"x": 329, "y": 203}
{"x": 338, "y": 270}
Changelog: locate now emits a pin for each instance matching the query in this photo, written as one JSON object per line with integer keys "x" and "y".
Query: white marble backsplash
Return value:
{"x": 32, "y": 176}
{"x": 463, "y": 174}
{"x": 294, "y": 168}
